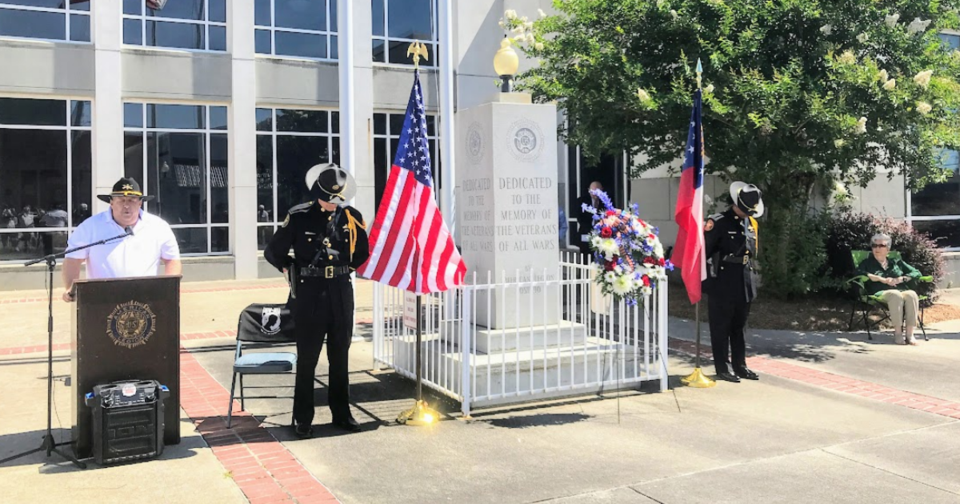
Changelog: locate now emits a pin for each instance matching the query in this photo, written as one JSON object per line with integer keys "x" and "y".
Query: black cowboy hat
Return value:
{"x": 125, "y": 187}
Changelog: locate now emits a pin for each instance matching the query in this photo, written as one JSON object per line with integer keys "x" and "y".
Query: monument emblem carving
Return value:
{"x": 475, "y": 143}
{"x": 525, "y": 139}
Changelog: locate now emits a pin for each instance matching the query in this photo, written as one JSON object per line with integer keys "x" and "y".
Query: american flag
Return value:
{"x": 689, "y": 252}
{"x": 410, "y": 244}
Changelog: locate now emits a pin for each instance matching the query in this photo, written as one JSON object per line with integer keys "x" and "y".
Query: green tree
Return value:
{"x": 796, "y": 92}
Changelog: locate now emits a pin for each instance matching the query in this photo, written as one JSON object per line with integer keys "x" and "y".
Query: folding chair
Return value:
{"x": 865, "y": 303}
{"x": 266, "y": 324}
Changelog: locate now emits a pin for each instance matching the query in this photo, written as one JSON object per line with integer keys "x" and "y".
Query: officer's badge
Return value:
{"x": 707, "y": 226}
{"x": 336, "y": 187}
{"x": 286, "y": 221}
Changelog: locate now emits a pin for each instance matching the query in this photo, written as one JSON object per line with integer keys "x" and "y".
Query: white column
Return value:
{"x": 448, "y": 137}
{"x": 348, "y": 137}
{"x": 107, "y": 134}
{"x": 242, "y": 156}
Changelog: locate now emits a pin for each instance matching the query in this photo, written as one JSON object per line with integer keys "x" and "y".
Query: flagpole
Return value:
{"x": 420, "y": 413}
{"x": 697, "y": 379}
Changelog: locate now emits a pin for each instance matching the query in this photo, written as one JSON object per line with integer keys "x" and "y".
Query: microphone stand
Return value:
{"x": 48, "y": 444}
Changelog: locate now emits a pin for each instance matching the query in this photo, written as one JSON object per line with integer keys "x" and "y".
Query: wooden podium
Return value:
{"x": 125, "y": 329}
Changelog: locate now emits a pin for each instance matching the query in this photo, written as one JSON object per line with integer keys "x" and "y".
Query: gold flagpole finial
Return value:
{"x": 699, "y": 74}
{"x": 417, "y": 49}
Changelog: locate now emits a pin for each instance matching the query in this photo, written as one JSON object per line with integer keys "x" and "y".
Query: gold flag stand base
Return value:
{"x": 419, "y": 414}
{"x": 697, "y": 379}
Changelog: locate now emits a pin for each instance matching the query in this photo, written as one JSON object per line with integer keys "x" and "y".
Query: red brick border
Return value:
{"x": 261, "y": 466}
{"x": 840, "y": 383}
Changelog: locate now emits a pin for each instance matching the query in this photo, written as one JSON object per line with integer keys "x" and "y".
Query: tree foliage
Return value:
{"x": 796, "y": 91}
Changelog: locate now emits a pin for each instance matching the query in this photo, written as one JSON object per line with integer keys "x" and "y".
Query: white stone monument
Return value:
{"x": 507, "y": 207}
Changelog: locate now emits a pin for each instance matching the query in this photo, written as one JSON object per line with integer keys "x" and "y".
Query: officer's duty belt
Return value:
{"x": 737, "y": 259}
{"x": 324, "y": 272}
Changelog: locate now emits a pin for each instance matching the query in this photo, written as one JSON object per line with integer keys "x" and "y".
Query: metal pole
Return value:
{"x": 698, "y": 335}
{"x": 419, "y": 354}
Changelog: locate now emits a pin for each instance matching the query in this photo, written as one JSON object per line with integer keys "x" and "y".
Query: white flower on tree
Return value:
{"x": 884, "y": 76}
{"x": 890, "y": 84}
{"x": 708, "y": 89}
{"x": 538, "y": 46}
{"x": 923, "y": 78}
{"x": 674, "y": 14}
{"x": 510, "y": 14}
{"x": 861, "y": 126}
{"x": 863, "y": 38}
{"x": 848, "y": 58}
{"x": 643, "y": 95}
{"x": 924, "y": 107}
{"x": 917, "y": 26}
{"x": 839, "y": 143}
{"x": 541, "y": 13}
{"x": 891, "y": 20}
{"x": 826, "y": 29}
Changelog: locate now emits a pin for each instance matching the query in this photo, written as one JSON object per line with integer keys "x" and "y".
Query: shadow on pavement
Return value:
{"x": 22, "y": 441}
{"x": 537, "y": 420}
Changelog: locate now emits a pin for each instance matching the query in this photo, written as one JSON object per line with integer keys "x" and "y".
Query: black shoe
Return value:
{"x": 727, "y": 376}
{"x": 303, "y": 431}
{"x": 348, "y": 424}
{"x": 746, "y": 374}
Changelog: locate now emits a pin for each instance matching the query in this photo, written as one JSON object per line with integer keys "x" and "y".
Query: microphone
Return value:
{"x": 128, "y": 230}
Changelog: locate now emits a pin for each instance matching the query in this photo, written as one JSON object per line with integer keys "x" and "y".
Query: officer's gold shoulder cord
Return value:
{"x": 352, "y": 224}
{"x": 756, "y": 232}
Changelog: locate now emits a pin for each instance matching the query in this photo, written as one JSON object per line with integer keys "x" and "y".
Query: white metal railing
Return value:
{"x": 526, "y": 336}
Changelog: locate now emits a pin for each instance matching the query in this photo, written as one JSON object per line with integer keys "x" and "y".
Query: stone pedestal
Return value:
{"x": 507, "y": 208}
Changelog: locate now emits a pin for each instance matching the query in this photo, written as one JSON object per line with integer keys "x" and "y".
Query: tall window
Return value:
{"x": 45, "y": 174}
{"x": 46, "y": 19}
{"x": 181, "y": 151}
{"x": 386, "y": 140}
{"x": 289, "y": 142}
{"x": 306, "y": 29}
{"x": 397, "y": 23}
{"x": 182, "y": 24}
{"x": 935, "y": 210}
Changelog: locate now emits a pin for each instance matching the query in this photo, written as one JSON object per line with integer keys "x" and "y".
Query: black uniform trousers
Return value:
{"x": 728, "y": 316}
{"x": 324, "y": 310}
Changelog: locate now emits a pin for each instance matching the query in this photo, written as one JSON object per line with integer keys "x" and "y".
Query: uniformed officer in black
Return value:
{"x": 731, "y": 246}
{"x": 329, "y": 241}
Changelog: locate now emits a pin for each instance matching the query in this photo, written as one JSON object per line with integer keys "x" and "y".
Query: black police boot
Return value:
{"x": 303, "y": 431}
{"x": 347, "y": 423}
{"x": 728, "y": 376}
{"x": 746, "y": 374}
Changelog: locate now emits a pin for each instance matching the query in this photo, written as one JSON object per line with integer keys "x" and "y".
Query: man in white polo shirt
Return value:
{"x": 139, "y": 254}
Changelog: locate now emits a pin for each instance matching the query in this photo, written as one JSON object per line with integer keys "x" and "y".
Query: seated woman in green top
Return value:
{"x": 888, "y": 278}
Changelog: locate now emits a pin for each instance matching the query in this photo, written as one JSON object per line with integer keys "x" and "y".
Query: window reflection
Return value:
{"x": 181, "y": 24}
{"x": 298, "y": 28}
{"x": 302, "y": 139}
{"x": 397, "y": 23}
{"x": 35, "y": 166}
{"x": 45, "y": 19}
{"x": 185, "y": 168}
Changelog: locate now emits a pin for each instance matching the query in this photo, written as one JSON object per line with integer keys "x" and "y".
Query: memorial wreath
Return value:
{"x": 626, "y": 251}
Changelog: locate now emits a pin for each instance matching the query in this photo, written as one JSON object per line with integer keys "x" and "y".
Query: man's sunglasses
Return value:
{"x": 879, "y": 245}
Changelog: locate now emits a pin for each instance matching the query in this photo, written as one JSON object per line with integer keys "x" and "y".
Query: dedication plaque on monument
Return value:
{"x": 125, "y": 329}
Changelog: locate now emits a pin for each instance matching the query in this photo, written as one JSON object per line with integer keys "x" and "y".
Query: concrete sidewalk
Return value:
{"x": 786, "y": 438}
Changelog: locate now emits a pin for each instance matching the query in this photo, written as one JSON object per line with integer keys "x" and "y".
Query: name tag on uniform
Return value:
{"x": 309, "y": 233}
